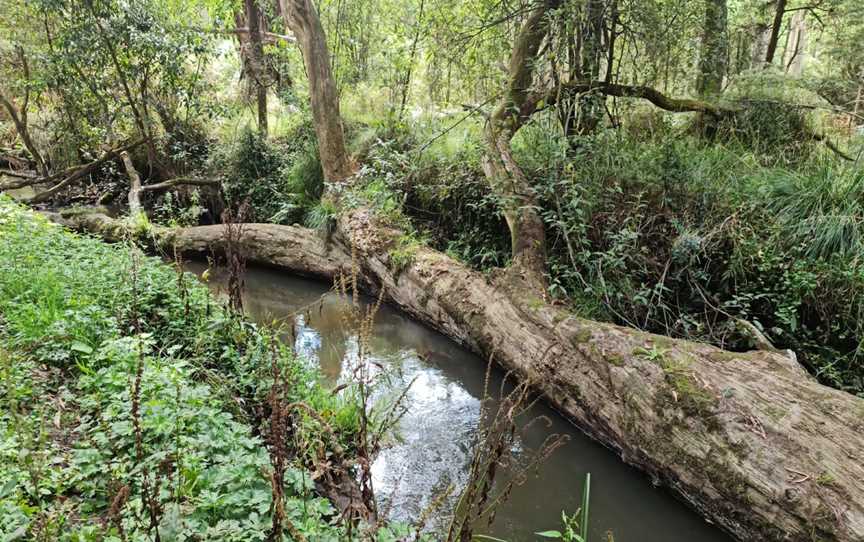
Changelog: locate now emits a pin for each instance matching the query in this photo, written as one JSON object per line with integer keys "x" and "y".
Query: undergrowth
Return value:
{"x": 670, "y": 233}
{"x": 281, "y": 179}
{"x": 130, "y": 402}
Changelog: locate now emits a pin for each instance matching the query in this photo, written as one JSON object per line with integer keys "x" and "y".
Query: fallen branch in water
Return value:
{"x": 25, "y": 179}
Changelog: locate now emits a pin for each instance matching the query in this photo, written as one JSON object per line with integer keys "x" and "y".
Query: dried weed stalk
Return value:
{"x": 494, "y": 450}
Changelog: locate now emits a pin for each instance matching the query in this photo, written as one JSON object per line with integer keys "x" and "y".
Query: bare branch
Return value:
{"x": 179, "y": 181}
{"x": 79, "y": 172}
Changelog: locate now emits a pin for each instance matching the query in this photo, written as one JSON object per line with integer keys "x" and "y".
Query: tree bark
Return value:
{"x": 134, "y": 197}
{"x": 252, "y": 54}
{"x": 776, "y": 25}
{"x": 303, "y": 20}
{"x": 590, "y": 107}
{"x": 748, "y": 439}
{"x": 714, "y": 52}
{"x": 796, "y": 50}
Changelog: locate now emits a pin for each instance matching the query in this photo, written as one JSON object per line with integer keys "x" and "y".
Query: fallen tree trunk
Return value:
{"x": 750, "y": 440}
{"x": 180, "y": 181}
{"x": 23, "y": 179}
{"x": 7, "y": 158}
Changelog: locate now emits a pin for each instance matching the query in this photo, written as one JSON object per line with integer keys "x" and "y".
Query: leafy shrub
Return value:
{"x": 441, "y": 193}
{"x": 774, "y": 130}
{"x": 82, "y": 316}
{"x": 683, "y": 239}
{"x": 281, "y": 180}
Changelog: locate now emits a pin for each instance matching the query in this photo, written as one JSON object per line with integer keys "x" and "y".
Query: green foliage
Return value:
{"x": 676, "y": 237}
{"x": 282, "y": 180}
{"x": 683, "y": 239}
{"x": 109, "y": 71}
{"x": 402, "y": 254}
{"x": 774, "y": 130}
{"x": 82, "y": 316}
{"x": 176, "y": 210}
{"x": 439, "y": 194}
{"x": 821, "y": 207}
{"x": 575, "y": 526}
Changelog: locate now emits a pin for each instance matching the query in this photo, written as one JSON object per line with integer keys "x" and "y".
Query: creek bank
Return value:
{"x": 126, "y": 392}
{"x": 749, "y": 440}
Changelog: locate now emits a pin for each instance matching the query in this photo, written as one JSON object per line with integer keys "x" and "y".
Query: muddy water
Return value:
{"x": 433, "y": 446}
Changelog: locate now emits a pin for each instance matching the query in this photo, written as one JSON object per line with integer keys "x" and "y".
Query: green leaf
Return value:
{"x": 83, "y": 348}
{"x": 550, "y": 534}
{"x": 8, "y": 488}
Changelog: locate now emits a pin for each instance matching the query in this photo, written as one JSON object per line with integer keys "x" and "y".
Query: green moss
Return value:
{"x": 692, "y": 398}
{"x": 825, "y": 479}
{"x": 684, "y": 391}
{"x": 615, "y": 359}
{"x": 582, "y": 336}
{"x": 535, "y": 303}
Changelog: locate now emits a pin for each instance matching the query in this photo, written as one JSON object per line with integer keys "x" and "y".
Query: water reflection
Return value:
{"x": 432, "y": 448}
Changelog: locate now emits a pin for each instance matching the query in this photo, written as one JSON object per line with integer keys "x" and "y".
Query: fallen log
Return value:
{"x": 15, "y": 162}
{"x": 748, "y": 439}
{"x": 22, "y": 179}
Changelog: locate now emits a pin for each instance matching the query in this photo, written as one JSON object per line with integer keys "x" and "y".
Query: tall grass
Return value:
{"x": 821, "y": 209}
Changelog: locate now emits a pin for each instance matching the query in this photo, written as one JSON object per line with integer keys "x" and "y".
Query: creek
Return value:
{"x": 432, "y": 448}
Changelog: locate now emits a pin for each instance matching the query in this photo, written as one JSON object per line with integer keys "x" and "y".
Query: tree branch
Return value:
{"x": 78, "y": 172}
{"x": 547, "y": 98}
{"x": 189, "y": 181}
{"x": 542, "y": 100}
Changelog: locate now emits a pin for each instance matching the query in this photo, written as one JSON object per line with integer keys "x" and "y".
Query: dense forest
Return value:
{"x": 646, "y": 214}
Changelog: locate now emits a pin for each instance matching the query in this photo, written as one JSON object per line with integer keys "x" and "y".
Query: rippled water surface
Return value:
{"x": 433, "y": 448}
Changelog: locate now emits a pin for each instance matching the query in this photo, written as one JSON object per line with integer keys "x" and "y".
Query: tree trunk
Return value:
{"x": 520, "y": 207}
{"x": 779, "y": 11}
{"x": 406, "y": 83}
{"x": 20, "y": 122}
{"x": 134, "y": 184}
{"x": 796, "y": 50}
{"x": 508, "y": 181}
{"x": 714, "y": 53}
{"x": 303, "y": 20}
{"x": 254, "y": 59}
{"x": 750, "y": 440}
{"x": 591, "y": 106}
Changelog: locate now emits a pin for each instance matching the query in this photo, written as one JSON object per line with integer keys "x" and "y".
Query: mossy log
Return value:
{"x": 750, "y": 440}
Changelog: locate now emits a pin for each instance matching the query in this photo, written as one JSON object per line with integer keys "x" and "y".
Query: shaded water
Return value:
{"x": 433, "y": 449}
